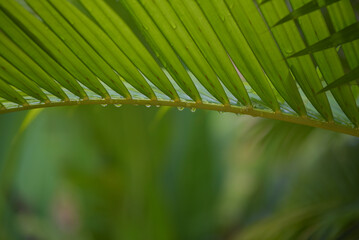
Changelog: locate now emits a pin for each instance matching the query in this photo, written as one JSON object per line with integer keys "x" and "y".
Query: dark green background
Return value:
{"x": 157, "y": 173}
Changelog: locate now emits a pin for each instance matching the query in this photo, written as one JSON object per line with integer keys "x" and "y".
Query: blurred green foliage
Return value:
{"x": 136, "y": 173}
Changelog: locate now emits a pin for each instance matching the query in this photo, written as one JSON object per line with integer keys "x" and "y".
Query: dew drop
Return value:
{"x": 193, "y": 109}
{"x": 288, "y": 50}
{"x": 148, "y": 105}
{"x": 104, "y": 105}
{"x": 174, "y": 26}
{"x": 180, "y": 108}
{"x": 118, "y": 105}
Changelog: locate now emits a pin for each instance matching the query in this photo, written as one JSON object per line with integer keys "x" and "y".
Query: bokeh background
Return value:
{"x": 132, "y": 172}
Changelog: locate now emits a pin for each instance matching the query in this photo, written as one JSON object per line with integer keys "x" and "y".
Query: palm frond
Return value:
{"x": 345, "y": 35}
{"x": 217, "y": 55}
{"x": 305, "y": 9}
{"x": 348, "y": 77}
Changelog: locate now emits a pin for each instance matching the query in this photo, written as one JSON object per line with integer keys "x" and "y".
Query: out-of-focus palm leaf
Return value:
{"x": 345, "y": 35}
{"x": 305, "y": 9}
{"x": 305, "y": 191}
{"x": 350, "y": 76}
{"x": 218, "y": 55}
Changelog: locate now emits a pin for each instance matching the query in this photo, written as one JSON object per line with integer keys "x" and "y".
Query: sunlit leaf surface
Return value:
{"x": 260, "y": 58}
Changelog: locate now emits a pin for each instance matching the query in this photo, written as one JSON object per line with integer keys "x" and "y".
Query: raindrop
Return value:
{"x": 118, "y": 105}
{"x": 104, "y": 105}
{"x": 193, "y": 109}
{"x": 180, "y": 108}
{"x": 288, "y": 50}
{"x": 147, "y": 105}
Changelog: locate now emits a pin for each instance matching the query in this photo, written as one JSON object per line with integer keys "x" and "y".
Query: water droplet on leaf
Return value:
{"x": 180, "y": 108}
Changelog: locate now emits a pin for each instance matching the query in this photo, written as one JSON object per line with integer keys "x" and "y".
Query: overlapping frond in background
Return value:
{"x": 271, "y": 58}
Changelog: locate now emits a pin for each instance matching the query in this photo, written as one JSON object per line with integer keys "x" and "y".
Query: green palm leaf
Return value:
{"x": 217, "y": 55}
{"x": 348, "y": 77}
{"x": 305, "y": 9}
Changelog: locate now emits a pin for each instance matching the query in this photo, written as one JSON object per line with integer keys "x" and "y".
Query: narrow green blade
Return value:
{"x": 161, "y": 47}
{"x": 348, "y": 77}
{"x": 314, "y": 29}
{"x": 47, "y": 40}
{"x": 78, "y": 45}
{"x": 263, "y": 1}
{"x": 165, "y": 19}
{"x": 261, "y": 41}
{"x": 210, "y": 46}
{"x": 17, "y": 79}
{"x": 305, "y": 9}
{"x": 289, "y": 40}
{"x": 237, "y": 47}
{"x": 345, "y": 35}
{"x": 27, "y": 66}
{"x": 113, "y": 56}
{"x": 8, "y": 93}
{"x": 342, "y": 15}
{"x": 39, "y": 56}
{"x": 126, "y": 40}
